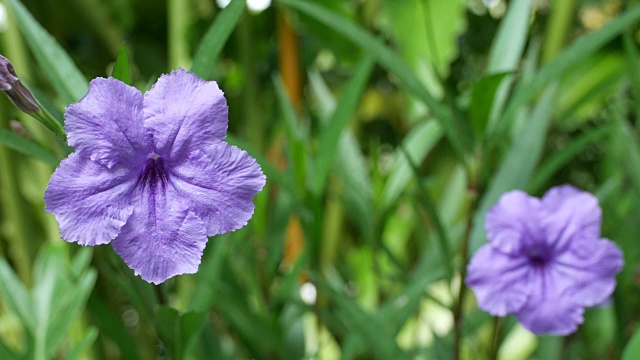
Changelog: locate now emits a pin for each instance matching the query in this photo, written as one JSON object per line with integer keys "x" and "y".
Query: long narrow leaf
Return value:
{"x": 332, "y": 133}
{"x": 27, "y": 147}
{"x": 16, "y": 297}
{"x": 455, "y": 131}
{"x": 422, "y": 138}
{"x": 568, "y": 59}
{"x": 121, "y": 69}
{"x": 564, "y": 155}
{"x": 215, "y": 38}
{"x": 56, "y": 63}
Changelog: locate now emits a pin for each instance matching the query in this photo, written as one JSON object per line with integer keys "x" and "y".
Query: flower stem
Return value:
{"x": 495, "y": 342}
{"x": 458, "y": 310}
{"x": 178, "y": 24}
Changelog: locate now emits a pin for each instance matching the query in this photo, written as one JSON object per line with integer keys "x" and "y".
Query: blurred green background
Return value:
{"x": 386, "y": 130}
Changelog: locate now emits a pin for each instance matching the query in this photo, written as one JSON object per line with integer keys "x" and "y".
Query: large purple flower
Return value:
{"x": 152, "y": 173}
{"x": 545, "y": 260}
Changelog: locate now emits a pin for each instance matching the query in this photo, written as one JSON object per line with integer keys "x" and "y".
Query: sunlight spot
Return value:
{"x": 258, "y": 5}
{"x": 223, "y": 3}
{"x": 308, "y": 293}
{"x": 3, "y": 17}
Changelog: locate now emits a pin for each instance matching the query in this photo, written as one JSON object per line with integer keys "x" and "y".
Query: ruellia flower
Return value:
{"x": 10, "y": 84}
{"x": 545, "y": 260}
{"x": 151, "y": 174}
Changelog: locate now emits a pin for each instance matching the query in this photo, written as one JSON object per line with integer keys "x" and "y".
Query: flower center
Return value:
{"x": 538, "y": 259}
{"x": 154, "y": 172}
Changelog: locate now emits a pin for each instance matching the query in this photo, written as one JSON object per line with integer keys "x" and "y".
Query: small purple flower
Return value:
{"x": 152, "y": 173}
{"x": 545, "y": 260}
{"x": 10, "y": 84}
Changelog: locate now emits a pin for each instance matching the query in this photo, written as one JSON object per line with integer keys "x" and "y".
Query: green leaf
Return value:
{"x": 82, "y": 345}
{"x": 331, "y": 134}
{"x": 112, "y": 327}
{"x": 27, "y": 147}
{"x": 430, "y": 51}
{"x": 191, "y": 325}
{"x": 250, "y": 325}
{"x": 560, "y": 158}
{"x": 565, "y": 61}
{"x": 455, "y": 130}
{"x": 629, "y": 159}
{"x": 508, "y": 44}
{"x": 16, "y": 297}
{"x": 428, "y": 204}
{"x": 632, "y": 349}
{"x": 370, "y": 329}
{"x": 215, "y": 38}
{"x": 168, "y": 328}
{"x": 55, "y": 62}
{"x": 7, "y": 353}
{"x": 517, "y": 167}
{"x": 296, "y": 136}
{"x": 68, "y": 307}
{"x": 121, "y": 69}
{"x": 632, "y": 57}
{"x": 351, "y": 163}
{"x": 81, "y": 261}
{"x": 482, "y": 99}
{"x": 422, "y": 138}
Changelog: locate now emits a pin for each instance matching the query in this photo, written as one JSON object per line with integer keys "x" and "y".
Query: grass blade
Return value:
{"x": 565, "y": 61}
{"x": 63, "y": 73}
{"x": 16, "y": 297}
{"x": 563, "y": 156}
{"x": 121, "y": 69}
{"x": 27, "y": 147}
{"x": 457, "y": 132}
{"x": 332, "y": 133}
{"x": 215, "y": 38}
{"x": 422, "y": 138}
{"x": 506, "y": 49}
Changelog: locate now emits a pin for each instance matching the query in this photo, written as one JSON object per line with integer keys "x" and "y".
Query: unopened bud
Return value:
{"x": 19, "y": 95}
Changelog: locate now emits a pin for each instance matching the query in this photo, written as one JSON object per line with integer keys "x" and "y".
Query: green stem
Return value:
{"x": 495, "y": 342}
{"x": 458, "y": 314}
{"x": 178, "y": 24}
{"x": 333, "y": 222}
{"x": 15, "y": 224}
{"x": 254, "y": 121}
{"x": 556, "y": 32}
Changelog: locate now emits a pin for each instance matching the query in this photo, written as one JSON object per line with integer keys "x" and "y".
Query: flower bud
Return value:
{"x": 19, "y": 95}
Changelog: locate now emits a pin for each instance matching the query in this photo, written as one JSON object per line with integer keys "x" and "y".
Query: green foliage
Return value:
{"x": 386, "y": 130}
{"x": 121, "y": 69}
{"x": 56, "y": 300}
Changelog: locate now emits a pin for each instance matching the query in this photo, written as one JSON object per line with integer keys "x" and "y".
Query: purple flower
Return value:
{"x": 545, "y": 260}
{"x": 19, "y": 95}
{"x": 152, "y": 173}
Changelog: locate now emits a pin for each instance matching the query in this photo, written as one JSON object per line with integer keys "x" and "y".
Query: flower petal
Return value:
{"x": 107, "y": 124}
{"x": 162, "y": 238}
{"x": 89, "y": 200}
{"x": 498, "y": 280}
{"x": 510, "y": 223}
{"x": 570, "y": 215}
{"x": 551, "y": 308}
{"x": 184, "y": 113}
{"x": 592, "y": 266}
{"x": 221, "y": 182}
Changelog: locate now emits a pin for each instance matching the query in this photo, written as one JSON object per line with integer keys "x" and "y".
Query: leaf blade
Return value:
{"x": 215, "y": 38}
{"x": 62, "y": 72}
